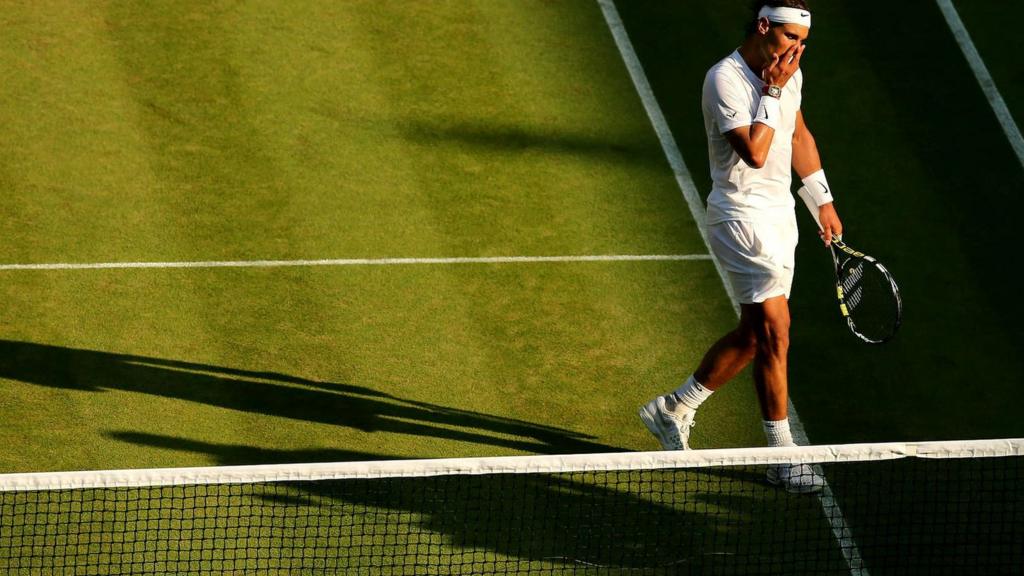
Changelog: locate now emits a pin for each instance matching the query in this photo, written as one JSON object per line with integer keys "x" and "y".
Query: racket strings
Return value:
{"x": 871, "y": 302}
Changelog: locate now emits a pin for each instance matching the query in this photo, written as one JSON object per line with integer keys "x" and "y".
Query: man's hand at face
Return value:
{"x": 781, "y": 69}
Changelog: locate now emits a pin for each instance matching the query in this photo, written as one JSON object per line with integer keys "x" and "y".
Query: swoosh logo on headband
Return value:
{"x": 804, "y": 14}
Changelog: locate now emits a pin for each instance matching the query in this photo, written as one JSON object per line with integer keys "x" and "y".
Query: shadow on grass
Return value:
{"x": 660, "y": 522}
{"x": 280, "y": 395}
{"x": 519, "y": 138}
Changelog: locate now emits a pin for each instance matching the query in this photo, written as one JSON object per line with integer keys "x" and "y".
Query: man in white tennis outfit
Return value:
{"x": 756, "y": 137}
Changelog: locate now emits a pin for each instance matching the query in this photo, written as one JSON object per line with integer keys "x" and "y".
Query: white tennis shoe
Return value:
{"x": 670, "y": 422}
{"x": 796, "y": 478}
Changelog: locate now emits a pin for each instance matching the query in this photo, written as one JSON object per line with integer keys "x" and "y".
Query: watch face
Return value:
{"x": 774, "y": 91}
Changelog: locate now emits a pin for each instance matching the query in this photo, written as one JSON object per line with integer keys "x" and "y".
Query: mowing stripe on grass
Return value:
{"x": 840, "y": 529}
{"x": 668, "y": 141}
{"x": 362, "y": 262}
{"x": 988, "y": 85}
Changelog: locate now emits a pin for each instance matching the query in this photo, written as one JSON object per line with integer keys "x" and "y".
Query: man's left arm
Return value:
{"x": 807, "y": 165}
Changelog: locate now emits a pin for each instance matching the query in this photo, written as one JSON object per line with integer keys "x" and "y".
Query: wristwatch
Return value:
{"x": 772, "y": 90}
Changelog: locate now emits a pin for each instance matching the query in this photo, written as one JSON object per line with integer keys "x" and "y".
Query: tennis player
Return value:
{"x": 756, "y": 136}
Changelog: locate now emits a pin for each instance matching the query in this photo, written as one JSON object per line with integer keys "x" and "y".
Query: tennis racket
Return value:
{"x": 869, "y": 298}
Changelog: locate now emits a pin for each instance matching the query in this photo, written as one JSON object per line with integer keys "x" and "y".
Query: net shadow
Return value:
{"x": 280, "y": 395}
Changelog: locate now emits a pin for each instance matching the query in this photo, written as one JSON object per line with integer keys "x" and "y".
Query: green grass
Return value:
{"x": 199, "y": 130}
{"x": 541, "y": 524}
{"x": 182, "y": 131}
{"x": 321, "y": 361}
{"x": 216, "y": 130}
{"x": 211, "y": 131}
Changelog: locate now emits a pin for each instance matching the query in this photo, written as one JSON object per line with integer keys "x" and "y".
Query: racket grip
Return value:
{"x": 809, "y": 202}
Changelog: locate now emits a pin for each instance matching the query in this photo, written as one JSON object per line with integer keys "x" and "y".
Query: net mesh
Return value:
{"x": 646, "y": 513}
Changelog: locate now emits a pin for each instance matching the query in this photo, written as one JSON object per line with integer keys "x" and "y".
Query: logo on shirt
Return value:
{"x": 731, "y": 114}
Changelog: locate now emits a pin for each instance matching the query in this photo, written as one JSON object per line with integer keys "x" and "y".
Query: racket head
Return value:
{"x": 869, "y": 298}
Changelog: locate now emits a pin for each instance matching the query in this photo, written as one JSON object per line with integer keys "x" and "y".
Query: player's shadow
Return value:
{"x": 673, "y": 522}
{"x": 280, "y": 395}
{"x": 519, "y": 138}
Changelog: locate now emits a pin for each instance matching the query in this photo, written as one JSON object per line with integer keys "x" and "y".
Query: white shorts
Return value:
{"x": 758, "y": 257}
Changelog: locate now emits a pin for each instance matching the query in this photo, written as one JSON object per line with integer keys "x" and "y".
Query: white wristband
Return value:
{"x": 769, "y": 112}
{"x": 817, "y": 187}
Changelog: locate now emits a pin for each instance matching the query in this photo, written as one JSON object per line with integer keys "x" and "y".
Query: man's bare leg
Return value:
{"x": 770, "y": 321}
{"x": 731, "y": 353}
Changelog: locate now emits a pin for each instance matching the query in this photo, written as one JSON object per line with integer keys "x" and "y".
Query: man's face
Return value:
{"x": 781, "y": 37}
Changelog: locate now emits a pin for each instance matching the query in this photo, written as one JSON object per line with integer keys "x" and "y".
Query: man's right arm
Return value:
{"x": 752, "y": 142}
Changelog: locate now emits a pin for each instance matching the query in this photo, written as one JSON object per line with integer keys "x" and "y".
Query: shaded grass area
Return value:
{"x": 924, "y": 180}
{"x": 944, "y": 516}
{"x": 997, "y": 49}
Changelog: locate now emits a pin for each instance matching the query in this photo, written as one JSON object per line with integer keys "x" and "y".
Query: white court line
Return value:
{"x": 362, "y": 262}
{"x": 668, "y": 142}
{"x": 988, "y": 85}
{"x": 840, "y": 529}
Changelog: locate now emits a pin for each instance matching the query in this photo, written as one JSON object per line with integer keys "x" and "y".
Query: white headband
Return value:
{"x": 786, "y": 16}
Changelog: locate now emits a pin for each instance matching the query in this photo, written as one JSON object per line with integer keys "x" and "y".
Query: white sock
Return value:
{"x": 778, "y": 433}
{"x": 692, "y": 394}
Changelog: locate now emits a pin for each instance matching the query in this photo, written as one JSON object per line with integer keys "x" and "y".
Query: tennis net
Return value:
{"x": 895, "y": 508}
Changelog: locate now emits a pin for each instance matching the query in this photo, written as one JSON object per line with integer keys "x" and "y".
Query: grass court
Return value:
{"x": 182, "y": 132}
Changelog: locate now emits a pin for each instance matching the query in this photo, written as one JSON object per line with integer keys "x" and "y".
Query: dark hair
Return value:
{"x": 756, "y": 6}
